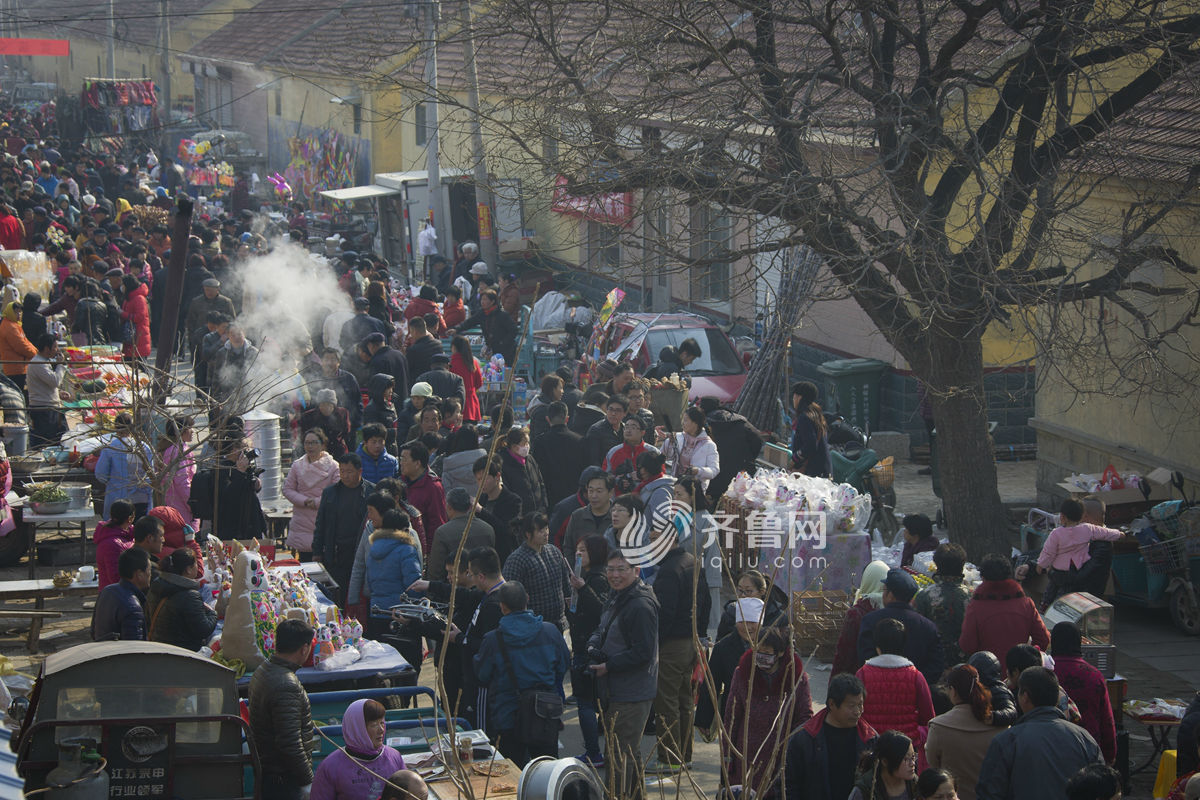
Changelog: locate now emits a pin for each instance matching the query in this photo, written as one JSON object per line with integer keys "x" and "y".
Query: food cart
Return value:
{"x": 166, "y": 720}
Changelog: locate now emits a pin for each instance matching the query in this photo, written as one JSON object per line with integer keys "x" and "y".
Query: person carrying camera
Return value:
{"x": 225, "y": 495}
{"x": 622, "y": 460}
{"x": 623, "y": 657}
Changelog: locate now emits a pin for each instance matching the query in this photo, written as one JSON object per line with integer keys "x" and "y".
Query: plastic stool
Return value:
{"x": 1166, "y": 774}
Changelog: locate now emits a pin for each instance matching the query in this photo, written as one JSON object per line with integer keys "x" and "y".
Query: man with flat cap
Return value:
{"x": 360, "y": 326}
{"x": 210, "y": 299}
{"x": 923, "y": 645}
{"x": 387, "y": 361}
{"x": 444, "y": 382}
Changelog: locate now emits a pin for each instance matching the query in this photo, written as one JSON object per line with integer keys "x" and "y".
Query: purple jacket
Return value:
{"x": 341, "y": 778}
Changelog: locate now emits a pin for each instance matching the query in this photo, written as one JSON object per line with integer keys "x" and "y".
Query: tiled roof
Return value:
{"x": 137, "y": 21}
{"x": 1159, "y": 140}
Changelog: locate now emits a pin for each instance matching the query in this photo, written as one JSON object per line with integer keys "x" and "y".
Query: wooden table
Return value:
{"x": 1160, "y": 738}
{"x": 33, "y": 520}
{"x": 38, "y": 590}
{"x": 484, "y": 786}
{"x": 277, "y": 522}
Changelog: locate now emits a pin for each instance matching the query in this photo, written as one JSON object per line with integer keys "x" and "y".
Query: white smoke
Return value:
{"x": 286, "y": 295}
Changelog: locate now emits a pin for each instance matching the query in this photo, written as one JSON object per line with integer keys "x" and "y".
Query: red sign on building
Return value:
{"x": 58, "y": 48}
{"x": 615, "y": 208}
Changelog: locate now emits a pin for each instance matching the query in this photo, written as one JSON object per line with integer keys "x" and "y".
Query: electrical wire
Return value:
{"x": 105, "y": 17}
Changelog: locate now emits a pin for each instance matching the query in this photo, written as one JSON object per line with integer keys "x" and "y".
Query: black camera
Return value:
{"x": 251, "y": 454}
{"x": 597, "y": 656}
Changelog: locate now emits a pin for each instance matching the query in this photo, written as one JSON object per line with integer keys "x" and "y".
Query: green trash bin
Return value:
{"x": 852, "y": 389}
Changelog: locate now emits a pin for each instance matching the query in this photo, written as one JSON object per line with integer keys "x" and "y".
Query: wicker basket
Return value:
{"x": 817, "y": 619}
{"x": 884, "y": 473}
{"x": 668, "y": 402}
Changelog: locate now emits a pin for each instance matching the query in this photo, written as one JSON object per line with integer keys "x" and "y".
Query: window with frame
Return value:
{"x": 422, "y": 119}
{"x": 603, "y": 246}
{"x": 711, "y": 231}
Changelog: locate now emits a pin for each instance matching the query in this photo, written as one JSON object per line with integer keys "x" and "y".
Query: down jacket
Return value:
{"x": 281, "y": 722}
{"x": 136, "y": 311}
{"x": 999, "y": 617}
{"x": 392, "y": 565}
{"x": 306, "y": 480}
{"x": 177, "y": 613}
{"x": 897, "y": 698}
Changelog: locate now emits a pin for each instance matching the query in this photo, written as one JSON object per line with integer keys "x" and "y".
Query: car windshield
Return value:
{"x": 718, "y": 356}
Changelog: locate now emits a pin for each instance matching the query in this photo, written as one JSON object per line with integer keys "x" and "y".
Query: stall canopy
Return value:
{"x": 360, "y": 192}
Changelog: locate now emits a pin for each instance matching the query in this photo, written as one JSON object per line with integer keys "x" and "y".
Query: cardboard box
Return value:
{"x": 1159, "y": 480}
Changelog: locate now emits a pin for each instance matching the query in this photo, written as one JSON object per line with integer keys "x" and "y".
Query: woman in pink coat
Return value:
{"x": 136, "y": 311}
{"x": 306, "y": 479}
{"x": 180, "y": 467}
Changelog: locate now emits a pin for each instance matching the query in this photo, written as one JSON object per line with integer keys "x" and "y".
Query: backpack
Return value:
{"x": 539, "y": 708}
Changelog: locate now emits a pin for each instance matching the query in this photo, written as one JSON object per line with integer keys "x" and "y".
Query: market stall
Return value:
{"x": 257, "y": 596}
{"x": 804, "y": 534}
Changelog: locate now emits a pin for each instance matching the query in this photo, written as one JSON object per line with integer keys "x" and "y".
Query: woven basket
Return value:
{"x": 817, "y": 619}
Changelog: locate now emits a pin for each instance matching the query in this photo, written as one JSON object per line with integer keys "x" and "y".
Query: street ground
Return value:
{"x": 1155, "y": 658}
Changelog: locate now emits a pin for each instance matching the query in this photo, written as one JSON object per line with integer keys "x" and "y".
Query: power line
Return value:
{"x": 44, "y": 21}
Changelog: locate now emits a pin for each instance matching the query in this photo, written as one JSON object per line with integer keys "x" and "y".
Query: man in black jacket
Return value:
{"x": 423, "y": 348}
{"x": 466, "y": 600}
{"x": 485, "y": 568}
{"x": 623, "y": 657}
{"x": 677, "y": 602}
{"x": 499, "y": 506}
{"x": 280, "y": 716}
{"x": 389, "y": 362}
{"x": 560, "y": 454}
{"x": 822, "y": 757}
{"x": 674, "y": 360}
{"x": 738, "y": 443}
{"x": 923, "y": 646}
{"x": 443, "y": 382}
{"x": 607, "y": 433}
{"x": 360, "y": 326}
{"x": 330, "y": 375}
{"x": 340, "y": 518}
{"x": 499, "y": 329}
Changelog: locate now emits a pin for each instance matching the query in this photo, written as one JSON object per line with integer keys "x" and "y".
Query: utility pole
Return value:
{"x": 164, "y": 33}
{"x": 488, "y": 249}
{"x": 433, "y": 12}
{"x": 112, "y": 41}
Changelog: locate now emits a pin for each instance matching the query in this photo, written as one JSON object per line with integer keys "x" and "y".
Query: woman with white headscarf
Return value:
{"x": 868, "y": 598}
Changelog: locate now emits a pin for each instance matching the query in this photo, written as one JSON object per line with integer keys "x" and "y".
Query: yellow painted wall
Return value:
{"x": 1162, "y": 416}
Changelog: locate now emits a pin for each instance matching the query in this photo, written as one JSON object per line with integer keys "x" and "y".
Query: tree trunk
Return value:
{"x": 975, "y": 515}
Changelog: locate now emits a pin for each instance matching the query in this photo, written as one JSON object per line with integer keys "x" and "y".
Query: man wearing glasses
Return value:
{"x": 623, "y": 656}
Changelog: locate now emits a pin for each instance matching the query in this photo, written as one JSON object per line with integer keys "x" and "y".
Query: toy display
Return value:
{"x": 258, "y": 598}
{"x": 249, "y": 619}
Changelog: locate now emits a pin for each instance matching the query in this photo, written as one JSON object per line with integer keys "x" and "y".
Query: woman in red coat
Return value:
{"x": 136, "y": 311}
{"x": 464, "y": 364}
{"x": 769, "y": 700}
{"x": 1000, "y": 615}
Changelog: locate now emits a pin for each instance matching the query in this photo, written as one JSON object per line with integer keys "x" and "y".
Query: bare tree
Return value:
{"x": 957, "y": 166}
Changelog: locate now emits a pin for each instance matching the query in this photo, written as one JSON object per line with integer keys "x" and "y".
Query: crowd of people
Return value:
{"x": 407, "y": 483}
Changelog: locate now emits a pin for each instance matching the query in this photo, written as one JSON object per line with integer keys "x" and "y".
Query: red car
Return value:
{"x": 719, "y": 372}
